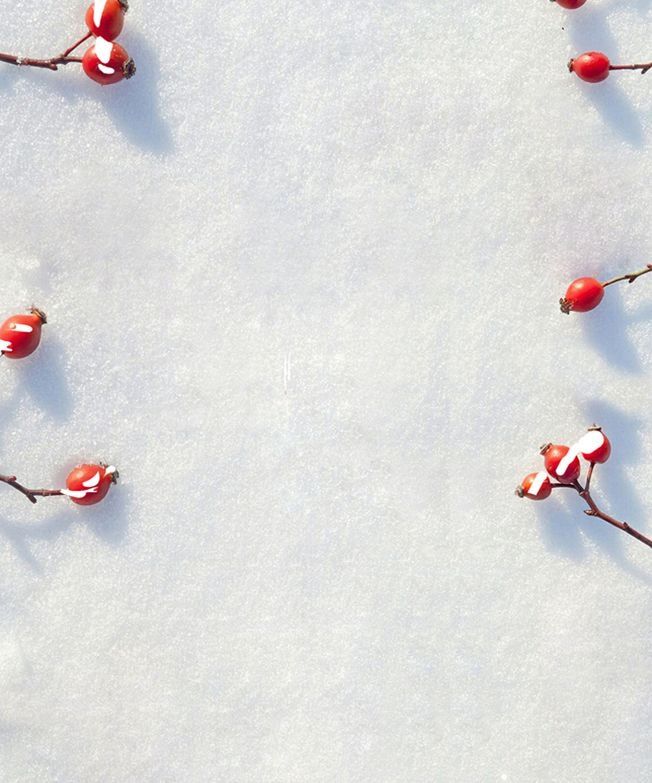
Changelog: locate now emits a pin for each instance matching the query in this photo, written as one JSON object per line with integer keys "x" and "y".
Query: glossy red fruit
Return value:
{"x": 591, "y": 66}
{"x": 89, "y": 484}
{"x": 535, "y": 486}
{"x": 107, "y": 63}
{"x": 561, "y": 463}
{"x": 571, "y": 4}
{"x": 20, "y": 335}
{"x": 105, "y": 18}
{"x": 595, "y": 446}
{"x": 583, "y": 294}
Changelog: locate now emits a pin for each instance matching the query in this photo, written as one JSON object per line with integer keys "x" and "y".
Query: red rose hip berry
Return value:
{"x": 591, "y": 66}
{"x": 571, "y": 4}
{"x": 87, "y": 485}
{"x": 561, "y": 463}
{"x": 595, "y": 446}
{"x": 535, "y": 486}
{"x": 583, "y": 294}
{"x": 20, "y": 335}
{"x": 107, "y": 63}
{"x": 105, "y": 18}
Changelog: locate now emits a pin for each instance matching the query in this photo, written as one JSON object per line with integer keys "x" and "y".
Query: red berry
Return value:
{"x": 591, "y": 66}
{"x": 107, "y": 63}
{"x": 595, "y": 446}
{"x": 536, "y": 486}
{"x": 583, "y": 294}
{"x": 572, "y": 4}
{"x": 89, "y": 484}
{"x": 105, "y": 18}
{"x": 561, "y": 463}
{"x": 20, "y": 335}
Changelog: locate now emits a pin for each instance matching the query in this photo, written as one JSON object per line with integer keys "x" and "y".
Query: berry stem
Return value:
{"x": 642, "y": 67}
{"x": 51, "y": 63}
{"x": 594, "y": 511}
{"x": 631, "y": 277}
{"x": 77, "y": 45}
{"x": 30, "y": 494}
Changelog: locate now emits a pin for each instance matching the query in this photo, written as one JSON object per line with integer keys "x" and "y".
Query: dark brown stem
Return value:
{"x": 629, "y": 278}
{"x": 30, "y": 494}
{"x": 642, "y": 67}
{"x": 594, "y": 511}
{"x": 51, "y": 63}
{"x": 77, "y": 44}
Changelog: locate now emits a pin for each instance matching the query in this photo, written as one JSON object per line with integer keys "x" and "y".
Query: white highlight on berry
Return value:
{"x": 5, "y": 347}
{"x": 78, "y": 493}
{"x": 537, "y": 483}
{"x": 25, "y": 328}
{"x": 98, "y": 10}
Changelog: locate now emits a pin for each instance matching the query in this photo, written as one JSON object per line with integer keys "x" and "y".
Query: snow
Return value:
{"x": 301, "y": 275}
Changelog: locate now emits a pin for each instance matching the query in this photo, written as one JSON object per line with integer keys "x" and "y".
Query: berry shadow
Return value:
{"x": 605, "y": 330}
{"x": 108, "y": 521}
{"x": 589, "y": 31}
{"x": 133, "y": 105}
{"x": 44, "y": 379}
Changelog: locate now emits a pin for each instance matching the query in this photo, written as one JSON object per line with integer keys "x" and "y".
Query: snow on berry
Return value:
{"x": 87, "y": 485}
{"x": 20, "y": 335}
{"x": 107, "y": 63}
{"x": 562, "y": 463}
{"x": 535, "y": 486}
{"x": 105, "y": 18}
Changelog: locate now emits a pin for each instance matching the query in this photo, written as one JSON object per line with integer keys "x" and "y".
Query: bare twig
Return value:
{"x": 30, "y": 494}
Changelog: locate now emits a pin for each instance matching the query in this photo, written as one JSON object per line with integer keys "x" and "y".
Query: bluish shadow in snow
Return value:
{"x": 108, "y": 521}
{"x": 590, "y": 31}
{"x": 132, "y": 105}
{"x": 564, "y": 526}
{"x": 605, "y": 330}
{"x": 45, "y": 380}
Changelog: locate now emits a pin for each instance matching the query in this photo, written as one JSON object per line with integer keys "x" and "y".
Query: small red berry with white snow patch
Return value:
{"x": 591, "y": 67}
{"x": 107, "y": 63}
{"x": 87, "y": 485}
{"x": 570, "y": 4}
{"x": 561, "y": 463}
{"x": 595, "y": 446}
{"x": 20, "y": 335}
{"x": 535, "y": 486}
{"x": 105, "y": 18}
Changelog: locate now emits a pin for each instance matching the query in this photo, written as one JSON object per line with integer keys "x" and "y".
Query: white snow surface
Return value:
{"x": 301, "y": 276}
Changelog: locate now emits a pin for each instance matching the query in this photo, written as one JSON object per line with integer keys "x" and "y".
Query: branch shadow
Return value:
{"x": 108, "y": 521}
{"x": 590, "y": 31}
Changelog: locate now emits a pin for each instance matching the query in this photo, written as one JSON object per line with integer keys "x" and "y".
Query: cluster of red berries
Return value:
{"x": 106, "y": 62}
{"x": 562, "y": 464}
{"x": 594, "y": 67}
{"x": 86, "y": 485}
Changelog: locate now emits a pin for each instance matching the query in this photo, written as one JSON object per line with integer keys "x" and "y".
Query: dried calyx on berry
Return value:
{"x": 595, "y": 67}
{"x": 105, "y": 62}
{"x": 586, "y": 293}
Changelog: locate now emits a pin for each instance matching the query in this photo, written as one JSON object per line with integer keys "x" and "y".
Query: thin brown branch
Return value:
{"x": 642, "y": 67}
{"x": 594, "y": 511}
{"x": 630, "y": 278}
{"x": 50, "y": 63}
{"x": 30, "y": 494}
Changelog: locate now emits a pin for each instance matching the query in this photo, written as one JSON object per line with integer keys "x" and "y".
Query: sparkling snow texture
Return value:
{"x": 302, "y": 278}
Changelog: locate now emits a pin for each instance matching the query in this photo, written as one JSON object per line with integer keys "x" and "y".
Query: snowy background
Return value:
{"x": 302, "y": 278}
